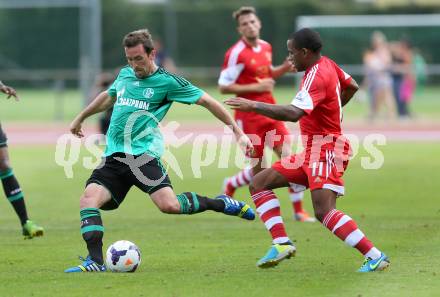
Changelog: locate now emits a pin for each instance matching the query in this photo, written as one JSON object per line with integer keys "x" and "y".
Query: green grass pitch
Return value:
{"x": 214, "y": 255}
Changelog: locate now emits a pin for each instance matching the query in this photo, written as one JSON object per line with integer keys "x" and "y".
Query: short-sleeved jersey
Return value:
{"x": 319, "y": 97}
{"x": 140, "y": 105}
{"x": 244, "y": 64}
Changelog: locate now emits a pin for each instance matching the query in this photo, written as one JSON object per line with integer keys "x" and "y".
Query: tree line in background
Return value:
{"x": 200, "y": 31}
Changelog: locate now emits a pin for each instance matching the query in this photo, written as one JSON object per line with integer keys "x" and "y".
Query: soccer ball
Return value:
{"x": 123, "y": 256}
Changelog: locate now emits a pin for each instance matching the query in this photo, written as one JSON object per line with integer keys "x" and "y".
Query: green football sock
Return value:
{"x": 191, "y": 203}
{"x": 14, "y": 194}
{"x": 92, "y": 232}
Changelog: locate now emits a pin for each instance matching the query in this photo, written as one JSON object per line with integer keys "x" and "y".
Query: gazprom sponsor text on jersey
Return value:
{"x": 132, "y": 102}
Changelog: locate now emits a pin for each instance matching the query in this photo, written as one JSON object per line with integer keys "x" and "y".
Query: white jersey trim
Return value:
{"x": 303, "y": 100}
{"x": 310, "y": 77}
{"x": 297, "y": 187}
{"x": 340, "y": 190}
{"x": 257, "y": 48}
{"x": 346, "y": 75}
{"x": 230, "y": 74}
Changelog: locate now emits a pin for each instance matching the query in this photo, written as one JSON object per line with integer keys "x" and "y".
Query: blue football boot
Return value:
{"x": 237, "y": 208}
{"x": 276, "y": 254}
{"x": 378, "y": 264}
{"x": 88, "y": 265}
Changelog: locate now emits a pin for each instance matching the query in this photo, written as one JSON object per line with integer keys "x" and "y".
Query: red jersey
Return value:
{"x": 244, "y": 64}
{"x": 319, "y": 97}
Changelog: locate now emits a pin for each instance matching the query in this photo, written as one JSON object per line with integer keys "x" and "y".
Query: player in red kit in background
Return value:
{"x": 324, "y": 90}
{"x": 248, "y": 72}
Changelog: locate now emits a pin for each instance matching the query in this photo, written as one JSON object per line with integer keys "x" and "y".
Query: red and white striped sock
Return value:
{"x": 242, "y": 178}
{"x": 268, "y": 208}
{"x": 296, "y": 199}
{"x": 346, "y": 229}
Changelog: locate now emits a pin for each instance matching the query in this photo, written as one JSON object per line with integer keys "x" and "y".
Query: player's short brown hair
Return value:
{"x": 141, "y": 36}
{"x": 242, "y": 11}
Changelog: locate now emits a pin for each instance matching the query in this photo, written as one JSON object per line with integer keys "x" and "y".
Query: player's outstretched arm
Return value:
{"x": 223, "y": 115}
{"x": 288, "y": 113}
{"x": 8, "y": 91}
{"x": 262, "y": 86}
{"x": 102, "y": 102}
{"x": 348, "y": 92}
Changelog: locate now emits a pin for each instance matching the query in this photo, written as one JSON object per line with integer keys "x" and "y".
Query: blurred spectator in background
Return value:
{"x": 404, "y": 79}
{"x": 408, "y": 86}
{"x": 162, "y": 57}
{"x": 377, "y": 63}
{"x": 397, "y": 72}
{"x": 419, "y": 68}
{"x": 102, "y": 83}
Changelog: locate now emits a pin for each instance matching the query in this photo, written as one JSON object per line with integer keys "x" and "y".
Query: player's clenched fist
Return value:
{"x": 75, "y": 128}
{"x": 8, "y": 91}
{"x": 245, "y": 144}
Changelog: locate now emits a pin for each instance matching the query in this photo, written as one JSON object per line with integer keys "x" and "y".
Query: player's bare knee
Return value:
{"x": 170, "y": 206}
{"x": 4, "y": 164}
{"x": 88, "y": 200}
{"x": 84, "y": 202}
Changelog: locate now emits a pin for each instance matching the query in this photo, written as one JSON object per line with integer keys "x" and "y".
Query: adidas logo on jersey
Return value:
{"x": 317, "y": 180}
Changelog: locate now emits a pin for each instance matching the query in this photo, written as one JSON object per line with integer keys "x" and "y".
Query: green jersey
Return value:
{"x": 140, "y": 105}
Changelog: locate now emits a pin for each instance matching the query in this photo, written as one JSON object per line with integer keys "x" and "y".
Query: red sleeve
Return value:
{"x": 270, "y": 56}
{"x": 312, "y": 93}
{"x": 269, "y": 49}
{"x": 232, "y": 65}
{"x": 344, "y": 78}
{"x": 226, "y": 59}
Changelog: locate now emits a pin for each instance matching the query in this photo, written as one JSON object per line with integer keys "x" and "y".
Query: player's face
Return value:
{"x": 139, "y": 60}
{"x": 249, "y": 26}
{"x": 296, "y": 56}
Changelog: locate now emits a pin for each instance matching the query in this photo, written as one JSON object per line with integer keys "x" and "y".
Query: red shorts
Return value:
{"x": 266, "y": 133}
{"x": 323, "y": 174}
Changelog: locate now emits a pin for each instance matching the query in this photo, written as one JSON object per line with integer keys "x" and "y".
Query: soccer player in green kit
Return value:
{"x": 10, "y": 183}
{"x": 141, "y": 95}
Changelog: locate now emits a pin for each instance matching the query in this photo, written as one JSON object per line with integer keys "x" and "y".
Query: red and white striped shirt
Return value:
{"x": 320, "y": 98}
{"x": 244, "y": 64}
